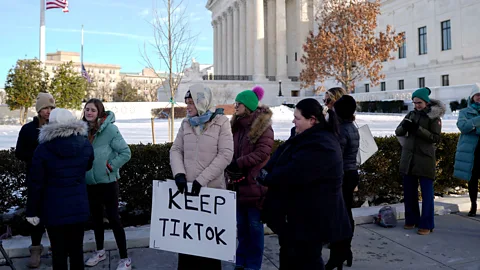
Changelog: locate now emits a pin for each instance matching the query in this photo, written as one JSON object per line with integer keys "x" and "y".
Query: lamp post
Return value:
{"x": 280, "y": 88}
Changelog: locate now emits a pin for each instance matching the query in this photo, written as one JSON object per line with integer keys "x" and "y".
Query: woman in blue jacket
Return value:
{"x": 57, "y": 192}
{"x": 467, "y": 158}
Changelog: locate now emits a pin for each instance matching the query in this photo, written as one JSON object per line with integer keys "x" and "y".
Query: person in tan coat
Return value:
{"x": 199, "y": 155}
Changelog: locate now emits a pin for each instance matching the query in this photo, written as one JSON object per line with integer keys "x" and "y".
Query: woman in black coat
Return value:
{"x": 304, "y": 203}
{"x": 57, "y": 192}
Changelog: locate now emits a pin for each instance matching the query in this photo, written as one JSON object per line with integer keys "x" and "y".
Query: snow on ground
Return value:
{"x": 139, "y": 130}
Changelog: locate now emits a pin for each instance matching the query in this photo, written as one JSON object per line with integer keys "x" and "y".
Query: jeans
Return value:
{"x": 67, "y": 242}
{"x": 412, "y": 211}
{"x": 101, "y": 195}
{"x": 250, "y": 238}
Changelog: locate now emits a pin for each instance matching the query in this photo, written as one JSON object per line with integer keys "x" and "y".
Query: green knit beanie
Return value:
{"x": 250, "y": 98}
{"x": 423, "y": 94}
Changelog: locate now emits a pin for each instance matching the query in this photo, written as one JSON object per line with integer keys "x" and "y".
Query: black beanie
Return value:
{"x": 345, "y": 107}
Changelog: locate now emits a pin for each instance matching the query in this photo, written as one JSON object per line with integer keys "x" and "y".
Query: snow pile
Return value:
{"x": 282, "y": 113}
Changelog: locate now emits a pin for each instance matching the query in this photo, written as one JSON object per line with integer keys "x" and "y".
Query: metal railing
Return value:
{"x": 228, "y": 77}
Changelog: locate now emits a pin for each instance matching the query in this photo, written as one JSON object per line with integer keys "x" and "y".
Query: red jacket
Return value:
{"x": 253, "y": 141}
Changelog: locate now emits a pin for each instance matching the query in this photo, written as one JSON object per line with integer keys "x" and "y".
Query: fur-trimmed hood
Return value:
{"x": 259, "y": 121}
{"x": 62, "y": 130}
{"x": 437, "y": 109}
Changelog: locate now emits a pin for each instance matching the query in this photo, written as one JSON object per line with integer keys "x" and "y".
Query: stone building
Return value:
{"x": 260, "y": 42}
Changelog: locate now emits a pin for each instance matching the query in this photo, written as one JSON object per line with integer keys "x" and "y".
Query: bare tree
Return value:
{"x": 225, "y": 96}
{"x": 174, "y": 45}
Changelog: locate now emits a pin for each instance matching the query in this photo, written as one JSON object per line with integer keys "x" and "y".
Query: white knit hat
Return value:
{"x": 60, "y": 115}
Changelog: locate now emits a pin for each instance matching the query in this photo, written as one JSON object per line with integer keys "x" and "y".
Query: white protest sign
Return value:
{"x": 202, "y": 225}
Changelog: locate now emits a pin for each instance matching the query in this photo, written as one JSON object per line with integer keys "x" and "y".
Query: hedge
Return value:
{"x": 390, "y": 106}
{"x": 380, "y": 178}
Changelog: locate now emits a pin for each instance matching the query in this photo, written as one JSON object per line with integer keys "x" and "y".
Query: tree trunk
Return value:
{"x": 23, "y": 116}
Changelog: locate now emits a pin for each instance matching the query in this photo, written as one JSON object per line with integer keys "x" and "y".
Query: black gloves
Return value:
{"x": 196, "y": 186}
{"x": 233, "y": 171}
{"x": 181, "y": 182}
{"x": 410, "y": 126}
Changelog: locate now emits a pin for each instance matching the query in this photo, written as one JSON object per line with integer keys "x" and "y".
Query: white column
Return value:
{"x": 250, "y": 16}
{"x": 271, "y": 38}
{"x": 230, "y": 41}
{"x": 219, "y": 53}
{"x": 236, "y": 29}
{"x": 303, "y": 27}
{"x": 224, "y": 44}
{"x": 215, "y": 46}
{"x": 281, "y": 37}
{"x": 242, "y": 38}
{"x": 259, "y": 41}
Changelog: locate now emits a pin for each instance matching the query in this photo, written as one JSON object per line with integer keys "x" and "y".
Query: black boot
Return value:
{"x": 473, "y": 210}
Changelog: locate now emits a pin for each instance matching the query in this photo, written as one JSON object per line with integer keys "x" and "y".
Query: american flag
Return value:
{"x": 58, "y": 4}
{"x": 85, "y": 74}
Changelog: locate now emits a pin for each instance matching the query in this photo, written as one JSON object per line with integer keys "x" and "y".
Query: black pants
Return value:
{"x": 36, "y": 233}
{"x": 67, "y": 242}
{"x": 190, "y": 262}
{"x": 473, "y": 187}
{"x": 106, "y": 195}
{"x": 300, "y": 255}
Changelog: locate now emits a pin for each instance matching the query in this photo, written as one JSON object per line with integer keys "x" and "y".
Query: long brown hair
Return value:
{"x": 93, "y": 127}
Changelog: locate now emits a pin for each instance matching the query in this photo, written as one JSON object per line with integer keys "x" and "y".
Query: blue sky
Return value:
{"x": 115, "y": 31}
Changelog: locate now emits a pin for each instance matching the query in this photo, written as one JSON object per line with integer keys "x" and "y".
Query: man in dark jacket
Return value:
{"x": 57, "y": 191}
{"x": 26, "y": 144}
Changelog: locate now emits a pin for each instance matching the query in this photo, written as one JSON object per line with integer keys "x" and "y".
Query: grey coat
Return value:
{"x": 418, "y": 152}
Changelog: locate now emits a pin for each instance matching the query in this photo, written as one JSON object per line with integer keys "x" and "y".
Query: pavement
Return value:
{"x": 454, "y": 244}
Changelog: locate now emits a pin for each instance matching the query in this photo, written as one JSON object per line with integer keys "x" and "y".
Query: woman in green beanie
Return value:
{"x": 467, "y": 157}
{"x": 253, "y": 142}
{"x": 422, "y": 128}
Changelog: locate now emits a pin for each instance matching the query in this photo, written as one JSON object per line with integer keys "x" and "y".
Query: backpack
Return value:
{"x": 387, "y": 217}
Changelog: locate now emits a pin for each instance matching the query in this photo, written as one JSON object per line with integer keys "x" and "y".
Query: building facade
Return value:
{"x": 440, "y": 47}
{"x": 261, "y": 41}
{"x": 106, "y": 76}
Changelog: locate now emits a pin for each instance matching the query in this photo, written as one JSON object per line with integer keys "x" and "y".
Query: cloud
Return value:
{"x": 203, "y": 48}
{"x": 144, "y": 13}
{"x": 102, "y": 33}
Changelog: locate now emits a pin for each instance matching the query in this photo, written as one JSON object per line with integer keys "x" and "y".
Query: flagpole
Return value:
{"x": 81, "y": 52}
{"x": 42, "y": 32}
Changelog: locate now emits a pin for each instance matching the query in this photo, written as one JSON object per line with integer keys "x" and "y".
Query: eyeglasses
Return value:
{"x": 237, "y": 104}
{"x": 326, "y": 100}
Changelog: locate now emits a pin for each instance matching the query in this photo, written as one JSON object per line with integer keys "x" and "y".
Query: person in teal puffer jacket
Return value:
{"x": 111, "y": 153}
{"x": 467, "y": 157}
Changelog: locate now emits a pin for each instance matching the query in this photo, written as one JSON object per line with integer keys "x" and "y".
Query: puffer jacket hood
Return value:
{"x": 58, "y": 132}
{"x": 437, "y": 109}
{"x": 475, "y": 90}
{"x": 262, "y": 120}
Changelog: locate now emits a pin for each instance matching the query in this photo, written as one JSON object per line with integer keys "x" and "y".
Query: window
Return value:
{"x": 446, "y": 36}
{"x": 295, "y": 56}
{"x": 402, "y": 50}
{"x": 445, "y": 80}
{"x": 421, "y": 82}
{"x": 401, "y": 84}
{"x": 367, "y": 88}
{"x": 383, "y": 86}
{"x": 422, "y": 40}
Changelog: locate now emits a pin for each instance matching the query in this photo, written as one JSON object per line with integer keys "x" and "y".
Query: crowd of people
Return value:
{"x": 303, "y": 191}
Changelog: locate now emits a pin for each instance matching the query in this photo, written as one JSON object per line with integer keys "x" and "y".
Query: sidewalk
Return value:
{"x": 453, "y": 245}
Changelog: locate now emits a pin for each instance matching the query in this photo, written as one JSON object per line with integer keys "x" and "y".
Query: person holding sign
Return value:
{"x": 253, "y": 142}
{"x": 421, "y": 128}
{"x": 304, "y": 203}
{"x": 200, "y": 153}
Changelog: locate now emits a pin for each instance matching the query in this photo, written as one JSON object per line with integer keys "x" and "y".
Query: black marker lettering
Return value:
{"x": 209, "y": 229}
{"x": 199, "y": 225}
{"x": 175, "y": 221}
{"x": 217, "y": 236}
{"x": 202, "y": 203}
{"x": 188, "y": 207}
{"x": 185, "y": 231}
{"x": 171, "y": 199}
{"x": 217, "y": 203}
{"x": 164, "y": 224}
